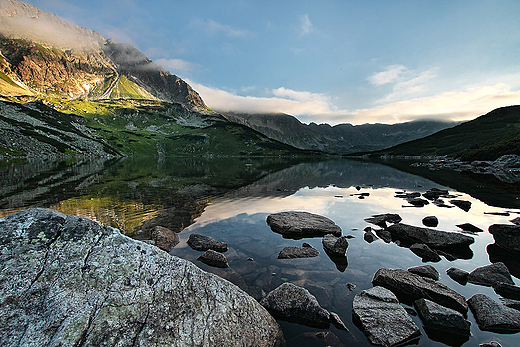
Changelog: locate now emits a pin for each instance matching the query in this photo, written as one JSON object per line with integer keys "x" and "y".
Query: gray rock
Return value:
{"x": 435, "y": 193}
{"x": 296, "y": 304}
{"x": 431, "y": 237}
{"x": 213, "y": 258}
{"x": 417, "y": 202}
{"x": 164, "y": 238}
{"x": 335, "y": 245}
{"x": 337, "y": 322}
{"x": 294, "y": 224}
{"x": 462, "y": 204}
{"x": 490, "y": 344}
{"x": 383, "y": 320}
{"x": 493, "y": 316}
{"x": 415, "y": 286}
{"x": 384, "y": 235}
{"x": 470, "y": 228}
{"x": 436, "y": 316}
{"x": 425, "y": 252}
{"x": 506, "y": 236}
{"x": 381, "y": 219}
{"x": 204, "y": 243}
{"x": 507, "y": 290}
{"x": 425, "y": 271}
{"x": 511, "y": 303}
{"x": 369, "y": 236}
{"x": 74, "y": 282}
{"x": 458, "y": 275}
{"x": 490, "y": 275}
{"x": 291, "y": 252}
{"x": 508, "y": 161}
{"x": 430, "y": 221}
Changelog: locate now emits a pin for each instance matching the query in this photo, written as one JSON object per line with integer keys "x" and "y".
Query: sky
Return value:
{"x": 325, "y": 61}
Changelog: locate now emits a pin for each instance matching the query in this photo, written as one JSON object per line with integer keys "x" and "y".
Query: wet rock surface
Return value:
{"x": 507, "y": 290}
{"x": 432, "y": 237}
{"x": 73, "y": 281}
{"x": 204, "y": 243}
{"x": 490, "y": 275}
{"x": 425, "y": 252}
{"x": 415, "y": 286}
{"x": 336, "y": 246}
{"x": 458, "y": 275}
{"x": 462, "y": 204}
{"x": 383, "y": 320}
{"x": 506, "y": 236}
{"x": 425, "y": 271}
{"x": 470, "y": 228}
{"x": 164, "y": 238}
{"x": 306, "y": 251}
{"x": 295, "y": 224}
{"x": 493, "y": 316}
{"x": 213, "y": 258}
{"x": 439, "y": 317}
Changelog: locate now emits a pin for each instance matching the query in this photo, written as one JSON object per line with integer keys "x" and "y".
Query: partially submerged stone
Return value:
{"x": 430, "y": 221}
{"x": 381, "y": 219}
{"x": 493, "y": 316}
{"x": 506, "y": 236}
{"x": 204, "y": 243}
{"x": 383, "y": 320}
{"x": 458, "y": 275}
{"x": 462, "y": 204}
{"x": 290, "y": 252}
{"x": 431, "y": 237}
{"x": 425, "y": 252}
{"x": 74, "y": 282}
{"x": 295, "y": 224}
{"x": 490, "y": 275}
{"x": 425, "y": 271}
{"x": 415, "y": 286}
{"x": 336, "y": 246}
{"x": 296, "y": 304}
{"x": 213, "y": 258}
{"x": 470, "y": 228}
{"x": 164, "y": 238}
{"x": 436, "y": 316}
{"x": 507, "y": 290}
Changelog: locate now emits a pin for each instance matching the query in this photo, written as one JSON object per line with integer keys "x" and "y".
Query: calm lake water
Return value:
{"x": 230, "y": 198}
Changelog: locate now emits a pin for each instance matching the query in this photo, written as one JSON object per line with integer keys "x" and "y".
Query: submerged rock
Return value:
{"x": 383, "y": 320}
{"x": 493, "y": 316}
{"x": 164, "y": 238}
{"x": 336, "y": 246}
{"x": 506, "y": 236}
{"x": 75, "y": 282}
{"x": 294, "y": 224}
{"x": 439, "y": 317}
{"x": 416, "y": 287}
{"x": 490, "y": 275}
{"x": 296, "y": 304}
{"x": 213, "y": 258}
{"x": 204, "y": 243}
{"x": 290, "y": 252}
{"x": 425, "y": 271}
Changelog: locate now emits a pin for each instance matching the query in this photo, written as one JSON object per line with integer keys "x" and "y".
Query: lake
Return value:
{"x": 230, "y": 198}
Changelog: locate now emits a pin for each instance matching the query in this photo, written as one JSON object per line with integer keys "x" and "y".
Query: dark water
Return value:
{"x": 229, "y": 199}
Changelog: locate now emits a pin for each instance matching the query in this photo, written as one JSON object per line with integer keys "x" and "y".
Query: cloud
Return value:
{"x": 306, "y": 26}
{"x": 177, "y": 64}
{"x": 388, "y": 76}
{"x": 213, "y": 28}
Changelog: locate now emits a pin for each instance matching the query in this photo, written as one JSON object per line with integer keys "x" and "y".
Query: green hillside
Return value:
{"x": 485, "y": 138}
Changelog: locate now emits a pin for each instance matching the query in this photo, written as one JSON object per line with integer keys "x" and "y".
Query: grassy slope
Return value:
{"x": 486, "y": 138}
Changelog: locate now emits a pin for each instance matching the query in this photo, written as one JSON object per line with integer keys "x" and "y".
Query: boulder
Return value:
{"x": 384, "y": 235}
{"x": 204, "y": 243}
{"x": 507, "y": 161}
{"x": 462, "y": 204}
{"x": 381, "y": 219}
{"x": 430, "y": 221}
{"x": 511, "y": 303}
{"x": 490, "y": 275}
{"x": 164, "y": 238}
{"x": 493, "y": 316}
{"x": 458, "y": 275}
{"x": 213, "y": 258}
{"x": 296, "y": 304}
{"x": 306, "y": 251}
{"x": 436, "y": 316}
{"x": 417, "y": 287}
{"x": 506, "y": 236}
{"x": 425, "y": 252}
{"x": 383, "y": 320}
{"x": 333, "y": 245}
{"x": 431, "y": 237}
{"x": 425, "y": 271}
{"x": 507, "y": 290}
{"x": 295, "y": 224}
{"x": 68, "y": 281}
{"x": 470, "y": 228}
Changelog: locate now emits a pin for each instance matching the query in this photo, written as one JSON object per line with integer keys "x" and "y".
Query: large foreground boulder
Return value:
{"x": 383, "y": 320}
{"x": 68, "y": 281}
{"x": 296, "y": 224}
{"x": 416, "y": 287}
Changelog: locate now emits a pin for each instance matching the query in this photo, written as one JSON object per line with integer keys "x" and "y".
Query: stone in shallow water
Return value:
{"x": 336, "y": 246}
{"x": 470, "y": 228}
{"x": 493, "y": 316}
{"x": 425, "y": 252}
{"x": 381, "y": 219}
{"x": 458, "y": 275}
{"x": 383, "y": 320}
{"x": 506, "y": 236}
{"x": 462, "y": 204}
{"x": 490, "y": 275}
{"x": 430, "y": 221}
{"x": 296, "y": 224}
{"x": 432, "y": 237}
{"x": 425, "y": 271}
{"x": 213, "y": 258}
{"x": 439, "y": 317}
{"x": 291, "y": 252}
{"x": 164, "y": 238}
{"x": 507, "y": 290}
{"x": 204, "y": 243}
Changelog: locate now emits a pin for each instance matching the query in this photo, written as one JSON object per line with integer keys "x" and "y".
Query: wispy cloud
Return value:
{"x": 214, "y": 28}
{"x": 177, "y": 65}
{"x": 306, "y": 26}
{"x": 387, "y": 76}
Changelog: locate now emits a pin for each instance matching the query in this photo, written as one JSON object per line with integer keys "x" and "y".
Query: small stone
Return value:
{"x": 430, "y": 221}
{"x": 369, "y": 236}
{"x": 507, "y": 290}
{"x": 425, "y": 252}
{"x": 335, "y": 245}
{"x": 204, "y": 243}
{"x": 425, "y": 271}
{"x": 351, "y": 286}
{"x": 164, "y": 238}
{"x": 384, "y": 235}
{"x": 291, "y": 252}
{"x": 337, "y": 322}
{"x": 470, "y": 228}
{"x": 458, "y": 275}
{"x": 381, "y": 219}
{"x": 250, "y": 259}
{"x": 213, "y": 258}
{"x": 462, "y": 204}
{"x": 295, "y": 224}
{"x": 490, "y": 344}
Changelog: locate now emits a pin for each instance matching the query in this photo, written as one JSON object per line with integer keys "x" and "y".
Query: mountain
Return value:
{"x": 338, "y": 139}
{"x": 67, "y": 90}
{"x": 485, "y": 138}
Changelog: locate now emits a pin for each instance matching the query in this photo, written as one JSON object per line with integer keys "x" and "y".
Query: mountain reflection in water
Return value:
{"x": 229, "y": 200}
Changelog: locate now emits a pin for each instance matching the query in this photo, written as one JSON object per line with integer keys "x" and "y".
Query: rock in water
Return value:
{"x": 384, "y": 321}
{"x": 431, "y": 237}
{"x": 425, "y": 271}
{"x": 493, "y": 316}
{"x": 462, "y": 204}
{"x": 294, "y": 224}
{"x": 425, "y": 252}
{"x": 296, "y": 304}
{"x": 415, "y": 286}
{"x": 506, "y": 236}
{"x": 291, "y": 252}
{"x": 336, "y": 246}
{"x": 490, "y": 275}
{"x": 458, "y": 275}
{"x": 204, "y": 243}
{"x": 213, "y": 258}
{"x": 507, "y": 290}
{"x": 381, "y": 219}
{"x": 164, "y": 238}
{"x": 430, "y": 221}
{"x": 470, "y": 228}
{"x": 73, "y": 281}
{"x": 439, "y": 317}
